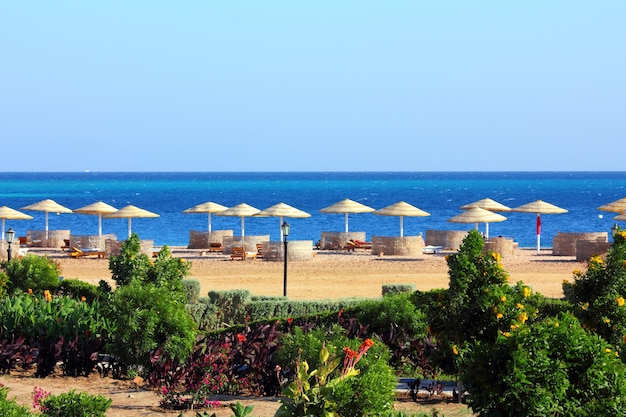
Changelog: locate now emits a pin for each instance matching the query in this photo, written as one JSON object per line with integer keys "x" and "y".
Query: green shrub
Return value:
{"x": 73, "y": 404}
{"x": 368, "y": 393}
{"x": 231, "y": 305}
{"x": 397, "y": 288}
{"x": 147, "y": 317}
{"x": 78, "y": 289}
{"x": 33, "y": 272}
{"x": 192, "y": 290}
{"x": 550, "y": 367}
{"x": 4, "y": 284}
{"x": 204, "y": 313}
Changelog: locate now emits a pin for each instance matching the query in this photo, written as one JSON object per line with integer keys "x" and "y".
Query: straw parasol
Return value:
{"x": 487, "y": 204}
{"x": 477, "y": 215}
{"x": 98, "y": 209}
{"x": 402, "y": 209}
{"x": 617, "y": 206}
{"x": 129, "y": 212}
{"x": 7, "y": 213}
{"x": 47, "y": 206}
{"x": 208, "y": 207}
{"x": 242, "y": 210}
{"x": 540, "y": 207}
{"x": 281, "y": 210}
{"x": 346, "y": 207}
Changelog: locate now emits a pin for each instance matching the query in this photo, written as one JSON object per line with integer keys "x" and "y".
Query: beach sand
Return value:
{"x": 338, "y": 274}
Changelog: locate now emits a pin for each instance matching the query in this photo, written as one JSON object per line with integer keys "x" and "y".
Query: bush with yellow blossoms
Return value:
{"x": 598, "y": 294}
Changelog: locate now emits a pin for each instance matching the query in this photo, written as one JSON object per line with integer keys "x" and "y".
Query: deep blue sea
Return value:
{"x": 439, "y": 193}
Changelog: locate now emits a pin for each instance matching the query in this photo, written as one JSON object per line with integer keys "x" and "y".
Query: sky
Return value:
{"x": 312, "y": 85}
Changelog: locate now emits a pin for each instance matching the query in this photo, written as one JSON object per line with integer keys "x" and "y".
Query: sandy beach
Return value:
{"x": 337, "y": 274}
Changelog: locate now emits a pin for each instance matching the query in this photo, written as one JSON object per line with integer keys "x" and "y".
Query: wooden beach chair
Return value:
{"x": 240, "y": 253}
{"x": 79, "y": 253}
{"x": 216, "y": 247}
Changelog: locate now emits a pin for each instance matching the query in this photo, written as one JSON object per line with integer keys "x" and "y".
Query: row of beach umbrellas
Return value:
{"x": 482, "y": 211}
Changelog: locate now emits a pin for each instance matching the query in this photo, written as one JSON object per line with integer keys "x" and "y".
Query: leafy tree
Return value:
{"x": 599, "y": 294}
{"x": 552, "y": 367}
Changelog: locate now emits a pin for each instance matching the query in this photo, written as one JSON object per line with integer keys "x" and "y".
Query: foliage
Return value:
{"x": 4, "y": 284}
{"x": 165, "y": 271}
{"x": 32, "y": 272}
{"x": 192, "y": 290}
{"x": 204, "y": 313}
{"x": 550, "y": 367}
{"x": 58, "y": 328}
{"x": 147, "y": 317}
{"x": 231, "y": 305}
{"x": 75, "y": 404}
{"x": 78, "y": 289}
{"x": 598, "y": 294}
{"x": 397, "y": 288}
{"x": 370, "y": 392}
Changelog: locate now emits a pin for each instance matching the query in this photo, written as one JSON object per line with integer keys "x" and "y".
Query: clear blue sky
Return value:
{"x": 312, "y": 85}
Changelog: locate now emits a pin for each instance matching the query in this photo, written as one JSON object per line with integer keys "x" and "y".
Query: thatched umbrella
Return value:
{"x": 98, "y": 209}
{"x": 7, "y": 213}
{"x": 402, "y": 209}
{"x": 208, "y": 207}
{"x": 48, "y": 206}
{"x": 281, "y": 210}
{"x": 477, "y": 215}
{"x": 242, "y": 210}
{"x": 617, "y": 206}
{"x": 129, "y": 212}
{"x": 487, "y": 204}
{"x": 346, "y": 207}
{"x": 539, "y": 207}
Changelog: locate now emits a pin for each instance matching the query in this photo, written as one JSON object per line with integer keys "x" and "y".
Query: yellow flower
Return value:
{"x": 556, "y": 324}
{"x": 577, "y": 272}
{"x": 47, "y": 295}
{"x": 596, "y": 259}
{"x": 503, "y": 298}
{"x": 455, "y": 350}
{"x": 515, "y": 326}
{"x": 499, "y": 315}
{"x": 496, "y": 256}
{"x": 585, "y": 306}
{"x": 565, "y": 281}
{"x": 523, "y": 317}
{"x": 83, "y": 298}
{"x": 620, "y": 301}
{"x": 606, "y": 320}
{"x": 526, "y": 292}
{"x": 519, "y": 306}
{"x": 616, "y": 354}
{"x": 506, "y": 334}
{"x": 607, "y": 350}
{"x": 182, "y": 260}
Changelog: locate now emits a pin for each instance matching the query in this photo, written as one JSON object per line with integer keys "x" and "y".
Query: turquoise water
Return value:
{"x": 441, "y": 194}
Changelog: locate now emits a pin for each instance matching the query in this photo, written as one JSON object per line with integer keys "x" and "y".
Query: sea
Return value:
{"x": 441, "y": 194}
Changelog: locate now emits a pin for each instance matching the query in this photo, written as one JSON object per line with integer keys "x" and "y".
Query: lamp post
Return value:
{"x": 9, "y": 235}
{"x": 614, "y": 230}
{"x": 285, "y": 229}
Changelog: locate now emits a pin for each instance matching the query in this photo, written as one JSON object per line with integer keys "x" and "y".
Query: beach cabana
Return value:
{"x": 539, "y": 207}
{"x": 130, "y": 212}
{"x": 402, "y": 209}
{"x": 99, "y": 209}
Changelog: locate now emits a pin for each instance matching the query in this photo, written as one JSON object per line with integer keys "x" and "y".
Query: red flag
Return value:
{"x": 538, "y": 224}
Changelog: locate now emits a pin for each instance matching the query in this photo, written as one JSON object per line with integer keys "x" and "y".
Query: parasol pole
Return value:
{"x": 401, "y": 227}
{"x": 46, "y": 226}
{"x": 346, "y": 222}
{"x": 281, "y": 229}
{"x": 2, "y": 229}
{"x": 538, "y": 233}
{"x": 243, "y": 235}
{"x": 486, "y": 230}
{"x": 129, "y": 226}
{"x": 99, "y": 224}
{"x": 209, "y": 226}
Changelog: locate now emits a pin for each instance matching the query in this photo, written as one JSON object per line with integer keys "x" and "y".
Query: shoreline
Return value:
{"x": 335, "y": 274}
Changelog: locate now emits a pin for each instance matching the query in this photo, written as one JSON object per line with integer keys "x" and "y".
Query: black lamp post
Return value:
{"x": 285, "y": 228}
{"x": 9, "y": 235}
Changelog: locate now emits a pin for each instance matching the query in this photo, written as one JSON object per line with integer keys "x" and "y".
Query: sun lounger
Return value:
{"x": 351, "y": 245}
{"x": 240, "y": 253}
{"x": 432, "y": 249}
{"x": 82, "y": 253}
{"x": 216, "y": 247}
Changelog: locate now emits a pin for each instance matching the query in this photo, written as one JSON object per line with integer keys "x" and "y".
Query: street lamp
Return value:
{"x": 285, "y": 229}
{"x": 9, "y": 235}
{"x": 614, "y": 230}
